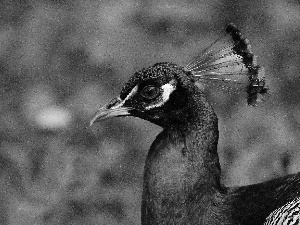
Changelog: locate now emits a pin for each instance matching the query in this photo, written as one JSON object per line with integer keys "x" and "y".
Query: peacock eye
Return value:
{"x": 150, "y": 92}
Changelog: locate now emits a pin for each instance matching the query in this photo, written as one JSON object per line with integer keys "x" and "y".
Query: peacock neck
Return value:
{"x": 182, "y": 167}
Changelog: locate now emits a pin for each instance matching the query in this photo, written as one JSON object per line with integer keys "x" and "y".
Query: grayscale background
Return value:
{"x": 62, "y": 59}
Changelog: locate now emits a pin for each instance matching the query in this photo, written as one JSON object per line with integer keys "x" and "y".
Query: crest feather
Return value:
{"x": 229, "y": 62}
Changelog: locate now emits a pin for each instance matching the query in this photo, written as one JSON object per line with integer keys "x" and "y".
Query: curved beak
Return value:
{"x": 114, "y": 108}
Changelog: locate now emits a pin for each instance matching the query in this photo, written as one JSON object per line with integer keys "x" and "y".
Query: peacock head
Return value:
{"x": 160, "y": 92}
{"x": 156, "y": 94}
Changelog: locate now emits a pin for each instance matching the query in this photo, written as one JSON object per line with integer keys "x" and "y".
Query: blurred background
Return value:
{"x": 62, "y": 59}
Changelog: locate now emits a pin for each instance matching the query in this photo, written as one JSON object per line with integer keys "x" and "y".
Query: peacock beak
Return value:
{"x": 114, "y": 108}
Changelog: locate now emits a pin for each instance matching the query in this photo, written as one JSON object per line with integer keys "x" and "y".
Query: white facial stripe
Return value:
{"x": 167, "y": 90}
{"x": 133, "y": 91}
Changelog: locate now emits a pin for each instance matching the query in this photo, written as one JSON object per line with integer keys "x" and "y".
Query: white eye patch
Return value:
{"x": 133, "y": 91}
{"x": 167, "y": 90}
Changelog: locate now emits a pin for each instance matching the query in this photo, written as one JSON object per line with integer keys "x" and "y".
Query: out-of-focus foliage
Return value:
{"x": 60, "y": 60}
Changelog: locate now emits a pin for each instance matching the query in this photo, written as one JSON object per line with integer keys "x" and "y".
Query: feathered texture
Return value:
{"x": 163, "y": 70}
{"x": 230, "y": 60}
{"x": 265, "y": 203}
{"x": 182, "y": 176}
{"x": 288, "y": 214}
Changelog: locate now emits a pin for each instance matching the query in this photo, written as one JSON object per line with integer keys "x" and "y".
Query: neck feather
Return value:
{"x": 182, "y": 171}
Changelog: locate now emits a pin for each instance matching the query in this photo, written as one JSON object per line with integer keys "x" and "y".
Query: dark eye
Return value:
{"x": 150, "y": 92}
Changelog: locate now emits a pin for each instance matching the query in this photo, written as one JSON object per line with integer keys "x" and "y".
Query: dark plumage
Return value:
{"x": 182, "y": 170}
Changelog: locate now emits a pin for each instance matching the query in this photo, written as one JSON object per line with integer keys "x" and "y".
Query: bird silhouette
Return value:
{"x": 182, "y": 174}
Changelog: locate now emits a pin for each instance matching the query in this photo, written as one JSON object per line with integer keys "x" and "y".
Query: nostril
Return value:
{"x": 113, "y": 102}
